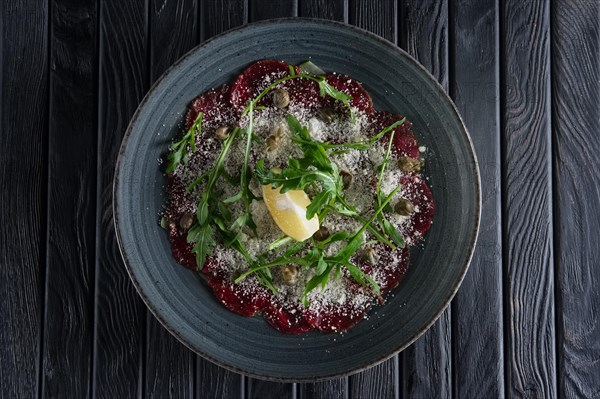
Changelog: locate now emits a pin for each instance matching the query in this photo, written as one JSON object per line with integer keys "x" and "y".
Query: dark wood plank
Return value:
{"x": 120, "y": 313}
{"x": 169, "y": 367}
{"x": 260, "y": 389}
{"x": 576, "y": 110}
{"x": 68, "y": 325}
{"x": 527, "y": 200}
{"x": 330, "y": 389}
{"x": 427, "y": 370}
{"x": 211, "y": 380}
{"x": 267, "y": 9}
{"x": 336, "y": 10}
{"x": 381, "y": 381}
{"x": 477, "y": 308}
{"x": 380, "y": 17}
{"x": 23, "y": 119}
{"x": 219, "y": 16}
{"x": 327, "y": 9}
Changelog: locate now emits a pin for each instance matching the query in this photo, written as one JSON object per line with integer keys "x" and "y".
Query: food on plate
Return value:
{"x": 295, "y": 198}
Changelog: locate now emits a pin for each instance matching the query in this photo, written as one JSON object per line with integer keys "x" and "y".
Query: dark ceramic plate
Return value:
{"x": 181, "y": 300}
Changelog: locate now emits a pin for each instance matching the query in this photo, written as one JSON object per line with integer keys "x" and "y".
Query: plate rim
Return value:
{"x": 440, "y": 91}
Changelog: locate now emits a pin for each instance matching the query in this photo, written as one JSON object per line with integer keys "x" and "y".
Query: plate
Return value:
{"x": 182, "y": 301}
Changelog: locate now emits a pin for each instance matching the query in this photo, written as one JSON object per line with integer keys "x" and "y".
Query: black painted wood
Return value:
{"x": 576, "y": 110}
{"x": 477, "y": 323}
{"x": 72, "y": 153}
{"x": 169, "y": 368}
{"x": 427, "y": 364}
{"x": 267, "y": 9}
{"x": 327, "y": 9}
{"x": 120, "y": 314}
{"x": 527, "y": 200}
{"x": 23, "y": 174}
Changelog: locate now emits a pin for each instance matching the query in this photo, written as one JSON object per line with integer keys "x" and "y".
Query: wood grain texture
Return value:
{"x": 527, "y": 200}
{"x": 576, "y": 110}
{"x": 68, "y": 324}
{"x": 477, "y": 323}
{"x": 330, "y": 389}
{"x": 174, "y": 31}
{"x": 381, "y": 381}
{"x": 377, "y": 16}
{"x": 169, "y": 367}
{"x": 267, "y": 9}
{"x": 219, "y": 16}
{"x": 23, "y": 173}
{"x": 259, "y": 389}
{"x": 427, "y": 364}
{"x": 326, "y": 9}
{"x": 214, "y": 382}
{"x": 120, "y": 313}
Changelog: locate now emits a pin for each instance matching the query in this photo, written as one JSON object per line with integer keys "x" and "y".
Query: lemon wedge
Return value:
{"x": 288, "y": 210}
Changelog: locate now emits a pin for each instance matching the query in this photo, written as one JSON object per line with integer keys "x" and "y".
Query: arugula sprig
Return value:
{"x": 179, "y": 150}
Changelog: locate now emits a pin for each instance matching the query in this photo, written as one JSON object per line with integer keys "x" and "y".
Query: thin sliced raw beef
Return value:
{"x": 216, "y": 108}
{"x": 335, "y": 317}
{"x": 416, "y": 191}
{"x": 360, "y": 98}
{"x": 405, "y": 142}
{"x": 246, "y": 298}
{"x": 390, "y": 267}
{"x": 255, "y": 79}
{"x": 286, "y": 317}
{"x": 258, "y": 76}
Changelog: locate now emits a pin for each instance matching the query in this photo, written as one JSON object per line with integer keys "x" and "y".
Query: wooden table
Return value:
{"x": 525, "y": 75}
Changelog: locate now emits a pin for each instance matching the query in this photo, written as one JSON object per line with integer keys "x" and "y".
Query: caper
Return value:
{"x": 281, "y": 98}
{"x": 326, "y": 114}
{"x": 346, "y": 178}
{"x": 370, "y": 256}
{"x": 404, "y": 207}
{"x": 186, "y": 221}
{"x": 272, "y": 142}
{"x": 322, "y": 233}
{"x": 223, "y": 132}
{"x": 289, "y": 274}
{"x": 408, "y": 164}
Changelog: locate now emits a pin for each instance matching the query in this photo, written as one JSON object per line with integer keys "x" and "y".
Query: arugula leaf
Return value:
{"x": 179, "y": 149}
{"x": 204, "y": 242}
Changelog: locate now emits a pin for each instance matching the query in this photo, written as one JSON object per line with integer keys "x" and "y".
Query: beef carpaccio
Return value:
{"x": 323, "y": 286}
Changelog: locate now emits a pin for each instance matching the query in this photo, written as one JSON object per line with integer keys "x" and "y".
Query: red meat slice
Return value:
{"x": 334, "y": 317}
{"x": 216, "y": 108}
{"x": 286, "y": 317}
{"x": 390, "y": 267}
{"x": 258, "y": 76}
{"x": 405, "y": 142}
{"x": 416, "y": 191}
{"x": 255, "y": 79}
{"x": 246, "y": 298}
{"x": 360, "y": 98}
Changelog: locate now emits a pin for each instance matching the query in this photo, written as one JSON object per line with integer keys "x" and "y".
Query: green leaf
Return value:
{"x": 202, "y": 237}
{"x": 314, "y": 282}
{"x": 393, "y": 233}
{"x": 202, "y": 211}
{"x": 361, "y": 277}
{"x": 321, "y": 266}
